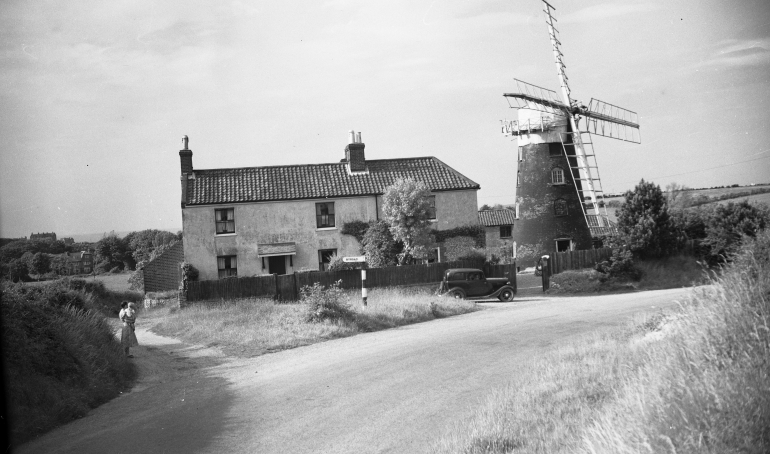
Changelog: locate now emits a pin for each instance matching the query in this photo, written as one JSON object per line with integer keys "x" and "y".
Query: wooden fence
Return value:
{"x": 575, "y": 260}
{"x": 287, "y": 287}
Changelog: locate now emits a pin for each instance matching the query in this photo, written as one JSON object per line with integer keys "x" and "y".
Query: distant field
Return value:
{"x": 114, "y": 282}
{"x": 757, "y": 198}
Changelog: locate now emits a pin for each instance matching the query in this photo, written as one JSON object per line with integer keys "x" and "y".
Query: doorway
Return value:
{"x": 277, "y": 264}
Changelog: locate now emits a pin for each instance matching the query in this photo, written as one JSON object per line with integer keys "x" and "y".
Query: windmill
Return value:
{"x": 557, "y": 165}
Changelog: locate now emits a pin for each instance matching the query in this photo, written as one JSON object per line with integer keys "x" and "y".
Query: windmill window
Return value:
{"x": 521, "y": 154}
{"x": 560, "y": 207}
{"x": 517, "y": 210}
{"x": 518, "y": 178}
{"x": 554, "y": 149}
{"x": 557, "y": 175}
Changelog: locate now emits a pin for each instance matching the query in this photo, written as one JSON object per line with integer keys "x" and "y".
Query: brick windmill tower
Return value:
{"x": 559, "y": 197}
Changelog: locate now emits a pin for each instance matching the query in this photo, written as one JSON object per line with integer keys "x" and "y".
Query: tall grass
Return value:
{"x": 705, "y": 389}
{"x": 696, "y": 381}
{"x": 250, "y": 327}
{"x": 61, "y": 358}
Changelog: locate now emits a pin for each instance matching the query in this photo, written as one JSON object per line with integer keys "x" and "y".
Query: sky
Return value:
{"x": 95, "y": 96}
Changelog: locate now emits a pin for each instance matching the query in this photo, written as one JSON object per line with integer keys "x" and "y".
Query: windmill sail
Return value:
{"x": 609, "y": 120}
{"x": 531, "y": 96}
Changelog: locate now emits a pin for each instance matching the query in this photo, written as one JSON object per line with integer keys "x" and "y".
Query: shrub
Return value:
{"x": 458, "y": 247}
{"x": 577, "y": 281}
{"x": 190, "y": 272}
{"x": 356, "y": 229}
{"x": 379, "y": 246}
{"x": 59, "y": 360}
{"x": 326, "y": 304}
{"x": 620, "y": 265}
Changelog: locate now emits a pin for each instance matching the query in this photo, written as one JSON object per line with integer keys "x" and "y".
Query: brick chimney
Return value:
{"x": 185, "y": 157}
{"x": 354, "y": 153}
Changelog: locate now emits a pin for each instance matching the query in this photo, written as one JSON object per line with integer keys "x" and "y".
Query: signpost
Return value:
{"x": 359, "y": 259}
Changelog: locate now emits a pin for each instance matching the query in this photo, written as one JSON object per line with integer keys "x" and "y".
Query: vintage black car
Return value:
{"x": 470, "y": 283}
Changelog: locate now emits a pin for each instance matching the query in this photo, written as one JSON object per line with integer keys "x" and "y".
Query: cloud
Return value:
{"x": 740, "y": 53}
{"x": 605, "y": 11}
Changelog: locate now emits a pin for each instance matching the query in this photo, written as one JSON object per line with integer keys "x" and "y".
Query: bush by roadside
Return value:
{"x": 60, "y": 355}
{"x": 665, "y": 272}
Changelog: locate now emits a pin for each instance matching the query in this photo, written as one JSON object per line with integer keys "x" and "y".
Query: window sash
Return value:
{"x": 324, "y": 257}
{"x": 225, "y": 220}
{"x": 560, "y": 207}
{"x": 505, "y": 231}
{"x": 557, "y": 175}
{"x": 324, "y": 214}
{"x": 227, "y": 266}
{"x": 432, "y": 208}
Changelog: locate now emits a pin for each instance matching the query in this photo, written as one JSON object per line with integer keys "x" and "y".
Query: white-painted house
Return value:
{"x": 280, "y": 219}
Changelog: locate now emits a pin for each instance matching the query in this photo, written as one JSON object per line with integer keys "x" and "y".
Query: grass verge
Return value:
{"x": 60, "y": 355}
{"x": 669, "y": 272}
{"x": 251, "y": 327}
{"x": 694, "y": 381}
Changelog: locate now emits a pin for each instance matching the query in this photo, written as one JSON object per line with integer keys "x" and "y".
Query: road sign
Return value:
{"x": 354, "y": 259}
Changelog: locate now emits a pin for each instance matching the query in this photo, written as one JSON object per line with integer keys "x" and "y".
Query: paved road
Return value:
{"x": 393, "y": 391}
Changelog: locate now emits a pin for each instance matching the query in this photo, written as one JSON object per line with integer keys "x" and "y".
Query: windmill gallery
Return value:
{"x": 559, "y": 197}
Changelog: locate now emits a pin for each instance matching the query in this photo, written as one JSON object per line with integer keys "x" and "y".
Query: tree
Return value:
{"x": 112, "y": 252}
{"x": 38, "y": 263}
{"x": 59, "y": 264}
{"x": 644, "y": 224}
{"x": 17, "y": 270}
{"x": 142, "y": 244}
{"x": 729, "y": 224}
{"x": 678, "y": 197}
{"x": 379, "y": 246}
{"x": 406, "y": 209}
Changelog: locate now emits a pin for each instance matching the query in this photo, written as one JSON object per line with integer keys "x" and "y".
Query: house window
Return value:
{"x": 432, "y": 209}
{"x": 506, "y": 231}
{"x": 324, "y": 215}
{"x": 227, "y": 266}
{"x": 557, "y": 175}
{"x": 560, "y": 207}
{"x": 225, "y": 220}
{"x": 325, "y": 257}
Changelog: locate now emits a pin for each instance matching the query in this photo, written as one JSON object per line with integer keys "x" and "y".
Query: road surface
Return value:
{"x": 393, "y": 391}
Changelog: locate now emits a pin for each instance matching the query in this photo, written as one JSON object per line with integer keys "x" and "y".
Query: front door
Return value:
{"x": 277, "y": 264}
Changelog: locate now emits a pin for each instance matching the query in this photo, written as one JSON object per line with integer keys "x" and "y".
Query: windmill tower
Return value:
{"x": 559, "y": 197}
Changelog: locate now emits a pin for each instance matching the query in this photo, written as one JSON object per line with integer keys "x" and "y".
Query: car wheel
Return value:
{"x": 506, "y": 295}
{"x": 457, "y": 293}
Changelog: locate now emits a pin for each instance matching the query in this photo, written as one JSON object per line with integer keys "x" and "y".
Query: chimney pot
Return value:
{"x": 351, "y": 136}
{"x": 185, "y": 141}
{"x": 358, "y": 137}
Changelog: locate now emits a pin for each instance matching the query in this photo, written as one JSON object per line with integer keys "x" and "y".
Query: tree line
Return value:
{"x": 23, "y": 257}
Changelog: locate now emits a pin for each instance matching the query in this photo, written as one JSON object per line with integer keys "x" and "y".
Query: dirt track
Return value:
{"x": 391, "y": 391}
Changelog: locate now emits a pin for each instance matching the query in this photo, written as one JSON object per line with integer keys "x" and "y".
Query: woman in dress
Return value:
{"x": 127, "y": 315}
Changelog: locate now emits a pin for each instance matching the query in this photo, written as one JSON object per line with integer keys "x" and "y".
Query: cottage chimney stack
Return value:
{"x": 354, "y": 153}
{"x": 185, "y": 160}
{"x": 185, "y": 156}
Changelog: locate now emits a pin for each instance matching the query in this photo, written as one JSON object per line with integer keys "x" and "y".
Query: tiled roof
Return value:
{"x": 312, "y": 181}
{"x": 491, "y": 218}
